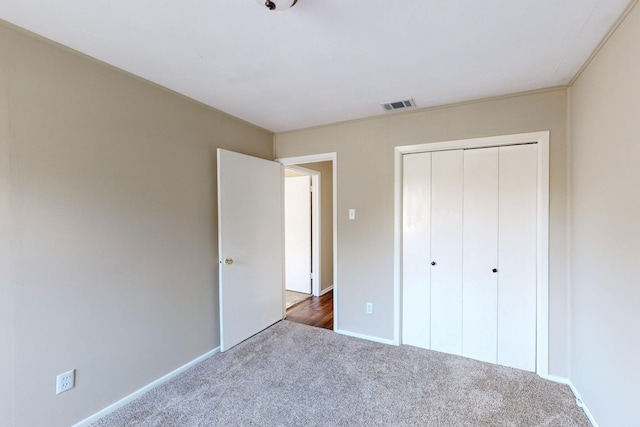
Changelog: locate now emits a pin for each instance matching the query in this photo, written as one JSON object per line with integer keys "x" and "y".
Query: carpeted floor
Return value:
{"x": 295, "y": 297}
{"x": 297, "y": 375}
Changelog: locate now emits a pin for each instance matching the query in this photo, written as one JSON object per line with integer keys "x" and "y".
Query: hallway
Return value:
{"x": 314, "y": 311}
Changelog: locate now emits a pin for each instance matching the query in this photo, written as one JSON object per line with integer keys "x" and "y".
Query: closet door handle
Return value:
{"x": 495, "y": 270}
{"x": 433, "y": 263}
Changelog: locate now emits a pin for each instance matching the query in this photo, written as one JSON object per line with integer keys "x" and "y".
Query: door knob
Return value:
{"x": 228, "y": 261}
{"x": 495, "y": 270}
{"x": 433, "y": 263}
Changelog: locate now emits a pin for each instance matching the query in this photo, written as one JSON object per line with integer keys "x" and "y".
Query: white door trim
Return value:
{"x": 314, "y": 158}
{"x": 316, "y": 255}
{"x": 542, "y": 285}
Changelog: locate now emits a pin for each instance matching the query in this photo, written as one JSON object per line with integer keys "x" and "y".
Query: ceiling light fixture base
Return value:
{"x": 278, "y": 5}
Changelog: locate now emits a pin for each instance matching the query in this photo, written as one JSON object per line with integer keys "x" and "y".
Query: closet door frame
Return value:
{"x": 542, "y": 251}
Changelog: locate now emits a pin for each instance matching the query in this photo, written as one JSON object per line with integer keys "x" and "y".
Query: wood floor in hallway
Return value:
{"x": 314, "y": 311}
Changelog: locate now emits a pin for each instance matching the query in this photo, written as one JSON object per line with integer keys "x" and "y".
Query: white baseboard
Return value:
{"x": 579, "y": 400}
{"x": 95, "y": 417}
{"x": 329, "y": 289}
{"x": 364, "y": 337}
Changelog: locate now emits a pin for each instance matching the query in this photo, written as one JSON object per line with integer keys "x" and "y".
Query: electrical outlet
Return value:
{"x": 65, "y": 381}
{"x": 369, "y": 308}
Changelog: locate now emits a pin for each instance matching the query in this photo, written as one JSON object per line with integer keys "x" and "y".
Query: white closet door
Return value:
{"x": 517, "y": 257}
{"x": 480, "y": 255}
{"x": 416, "y": 223}
{"x": 446, "y": 251}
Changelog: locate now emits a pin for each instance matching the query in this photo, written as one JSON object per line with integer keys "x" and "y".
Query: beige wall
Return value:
{"x": 365, "y": 182}
{"x": 605, "y": 232}
{"x": 108, "y": 209}
{"x": 109, "y": 245}
{"x": 6, "y": 295}
{"x": 326, "y": 221}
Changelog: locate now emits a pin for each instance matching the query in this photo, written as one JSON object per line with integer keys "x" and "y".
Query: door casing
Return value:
{"x": 314, "y": 158}
{"x": 542, "y": 281}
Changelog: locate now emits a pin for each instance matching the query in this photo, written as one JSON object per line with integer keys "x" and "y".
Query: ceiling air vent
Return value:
{"x": 399, "y": 105}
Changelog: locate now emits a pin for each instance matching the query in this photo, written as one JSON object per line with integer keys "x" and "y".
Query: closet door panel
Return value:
{"x": 480, "y": 255}
{"x": 416, "y": 255}
{"x": 517, "y": 257}
{"x": 446, "y": 251}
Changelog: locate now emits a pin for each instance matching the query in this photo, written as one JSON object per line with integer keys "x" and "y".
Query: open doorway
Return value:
{"x": 301, "y": 234}
{"x": 316, "y": 308}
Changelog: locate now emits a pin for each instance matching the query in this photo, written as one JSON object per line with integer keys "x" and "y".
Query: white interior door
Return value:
{"x": 250, "y": 240}
{"x": 516, "y": 321}
{"x": 297, "y": 232}
{"x": 517, "y": 257}
{"x": 416, "y": 249}
{"x": 480, "y": 255}
{"x": 446, "y": 251}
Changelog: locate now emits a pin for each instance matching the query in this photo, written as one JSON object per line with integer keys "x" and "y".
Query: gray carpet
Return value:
{"x": 296, "y": 375}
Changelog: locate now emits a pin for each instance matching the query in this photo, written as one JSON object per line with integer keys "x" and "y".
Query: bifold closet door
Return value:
{"x": 480, "y": 255}
{"x": 469, "y": 253}
{"x": 517, "y": 257}
{"x": 446, "y": 251}
{"x": 416, "y": 243}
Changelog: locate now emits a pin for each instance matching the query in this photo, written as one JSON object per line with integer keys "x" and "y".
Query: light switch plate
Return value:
{"x": 352, "y": 214}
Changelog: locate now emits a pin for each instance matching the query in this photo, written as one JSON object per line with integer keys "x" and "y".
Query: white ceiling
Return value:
{"x": 325, "y": 61}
